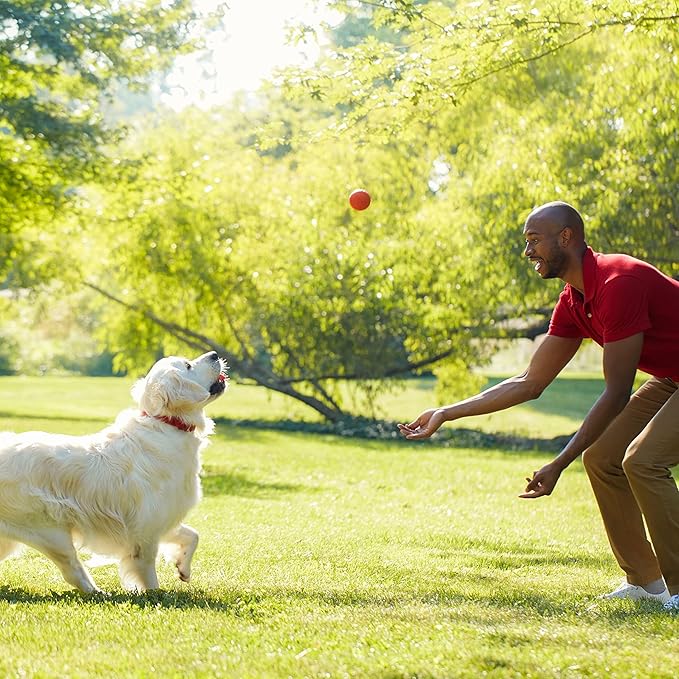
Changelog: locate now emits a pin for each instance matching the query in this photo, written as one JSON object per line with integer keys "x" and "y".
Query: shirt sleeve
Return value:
{"x": 562, "y": 323}
{"x": 624, "y": 308}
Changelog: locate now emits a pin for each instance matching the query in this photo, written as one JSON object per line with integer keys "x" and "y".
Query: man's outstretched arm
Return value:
{"x": 620, "y": 363}
{"x": 547, "y": 362}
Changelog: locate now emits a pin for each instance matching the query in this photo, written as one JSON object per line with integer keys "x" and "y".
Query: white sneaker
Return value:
{"x": 635, "y": 592}
{"x": 672, "y": 604}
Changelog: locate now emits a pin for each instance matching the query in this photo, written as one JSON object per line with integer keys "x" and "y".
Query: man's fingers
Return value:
{"x": 413, "y": 436}
{"x": 534, "y": 493}
{"x": 406, "y": 429}
{"x": 412, "y": 433}
{"x": 535, "y": 488}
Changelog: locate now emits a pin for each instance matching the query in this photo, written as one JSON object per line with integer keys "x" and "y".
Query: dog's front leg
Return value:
{"x": 178, "y": 548}
{"x": 137, "y": 570}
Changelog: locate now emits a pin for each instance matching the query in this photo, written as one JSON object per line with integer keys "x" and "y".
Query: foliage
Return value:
{"x": 259, "y": 255}
{"x": 244, "y": 242}
{"x": 525, "y": 102}
{"x": 59, "y": 62}
{"x": 48, "y": 330}
{"x": 434, "y": 53}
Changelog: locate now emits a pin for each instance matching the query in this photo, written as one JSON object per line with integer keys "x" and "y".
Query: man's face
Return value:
{"x": 543, "y": 248}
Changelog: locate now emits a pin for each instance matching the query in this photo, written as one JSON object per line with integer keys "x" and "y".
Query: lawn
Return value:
{"x": 323, "y": 556}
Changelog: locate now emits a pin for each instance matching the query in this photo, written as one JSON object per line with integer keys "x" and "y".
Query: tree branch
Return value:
{"x": 531, "y": 332}
{"x": 245, "y": 368}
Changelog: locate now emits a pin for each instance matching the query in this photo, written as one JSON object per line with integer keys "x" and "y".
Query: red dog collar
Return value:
{"x": 174, "y": 421}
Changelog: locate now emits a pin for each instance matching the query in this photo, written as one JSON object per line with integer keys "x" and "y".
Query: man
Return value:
{"x": 628, "y": 443}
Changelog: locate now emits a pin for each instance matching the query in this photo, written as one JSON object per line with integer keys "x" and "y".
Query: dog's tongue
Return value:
{"x": 222, "y": 377}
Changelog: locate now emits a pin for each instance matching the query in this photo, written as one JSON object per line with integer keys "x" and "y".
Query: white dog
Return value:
{"x": 122, "y": 492}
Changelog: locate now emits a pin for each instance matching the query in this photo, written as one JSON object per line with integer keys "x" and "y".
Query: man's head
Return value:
{"x": 555, "y": 238}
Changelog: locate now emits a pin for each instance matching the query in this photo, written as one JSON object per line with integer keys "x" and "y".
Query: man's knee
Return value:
{"x": 635, "y": 463}
{"x": 594, "y": 460}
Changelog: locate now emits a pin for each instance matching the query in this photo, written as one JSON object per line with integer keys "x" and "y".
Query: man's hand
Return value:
{"x": 543, "y": 481}
{"x": 425, "y": 425}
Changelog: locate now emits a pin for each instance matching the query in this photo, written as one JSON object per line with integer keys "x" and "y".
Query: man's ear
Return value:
{"x": 566, "y": 236}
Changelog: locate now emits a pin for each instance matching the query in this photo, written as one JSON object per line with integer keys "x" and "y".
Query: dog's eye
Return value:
{"x": 188, "y": 365}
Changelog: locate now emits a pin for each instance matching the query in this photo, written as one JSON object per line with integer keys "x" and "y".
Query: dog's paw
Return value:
{"x": 101, "y": 594}
{"x": 183, "y": 571}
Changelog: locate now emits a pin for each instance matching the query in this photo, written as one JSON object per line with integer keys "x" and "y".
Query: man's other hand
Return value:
{"x": 543, "y": 482}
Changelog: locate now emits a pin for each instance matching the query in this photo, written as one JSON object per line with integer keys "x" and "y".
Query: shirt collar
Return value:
{"x": 588, "y": 276}
{"x": 589, "y": 273}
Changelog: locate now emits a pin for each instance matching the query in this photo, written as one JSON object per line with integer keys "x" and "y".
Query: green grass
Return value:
{"x": 330, "y": 557}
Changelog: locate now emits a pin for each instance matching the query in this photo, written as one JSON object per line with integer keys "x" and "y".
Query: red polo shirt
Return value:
{"x": 624, "y": 296}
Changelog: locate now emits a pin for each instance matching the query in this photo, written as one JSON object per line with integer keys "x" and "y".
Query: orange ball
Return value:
{"x": 359, "y": 199}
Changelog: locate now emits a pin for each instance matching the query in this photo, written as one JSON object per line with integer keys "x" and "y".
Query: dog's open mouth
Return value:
{"x": 219, "y": 386}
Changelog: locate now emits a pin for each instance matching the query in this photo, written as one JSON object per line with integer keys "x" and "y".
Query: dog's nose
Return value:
{"x": 213, "y": 356}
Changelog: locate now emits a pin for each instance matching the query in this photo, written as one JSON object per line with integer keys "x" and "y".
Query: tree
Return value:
{"x": 205, "y": 241}
{"x": 58, "y": 63}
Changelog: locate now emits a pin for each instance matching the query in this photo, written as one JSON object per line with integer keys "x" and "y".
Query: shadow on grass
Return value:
{"x": 248, "y": 604}
{"x": 99, "y": 421}
{"x": 357, "y": 428}
{"x": 366, "y": 429}
{"x": 503, "y": 556}
{"x": 236, "y": 484}
{"x": 259, "y": 606}
{"x": 238, "y": 604}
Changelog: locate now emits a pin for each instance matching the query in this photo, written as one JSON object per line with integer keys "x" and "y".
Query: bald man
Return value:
{"x": 629, "y": 443}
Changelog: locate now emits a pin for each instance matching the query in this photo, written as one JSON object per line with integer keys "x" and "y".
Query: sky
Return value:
{"x": 251, "y": 46}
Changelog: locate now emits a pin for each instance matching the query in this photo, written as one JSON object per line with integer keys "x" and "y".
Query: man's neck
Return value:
{"x": 574, "y": 273}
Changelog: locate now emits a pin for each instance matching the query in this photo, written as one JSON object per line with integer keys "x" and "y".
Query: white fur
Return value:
{"x": 121, "y": 492}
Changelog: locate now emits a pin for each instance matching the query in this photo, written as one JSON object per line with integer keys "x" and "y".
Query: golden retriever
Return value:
{"x": 121, "y": 492}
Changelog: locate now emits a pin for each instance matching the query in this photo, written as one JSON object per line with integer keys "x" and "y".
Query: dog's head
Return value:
{"x": 181, "y": 388}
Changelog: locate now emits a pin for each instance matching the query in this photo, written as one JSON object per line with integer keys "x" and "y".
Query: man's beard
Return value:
{"x": 555, "y": 263}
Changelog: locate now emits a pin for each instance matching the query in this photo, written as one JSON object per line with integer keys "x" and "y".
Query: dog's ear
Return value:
{"x": 177, "y": 393}
{"x": 168, "y": 393}
{"x": 149, "y": 396}
{"x": 138, "y": 390}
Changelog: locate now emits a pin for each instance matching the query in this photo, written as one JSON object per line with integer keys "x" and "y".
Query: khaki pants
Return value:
{"x": 629, "y": 469}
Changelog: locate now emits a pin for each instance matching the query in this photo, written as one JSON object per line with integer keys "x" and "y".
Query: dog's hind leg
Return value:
{"x": 7, "y": 546}
{"x": 178, "y": 548}
{"x": 138, "y": 570}
{"x": 57, "y": 545}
